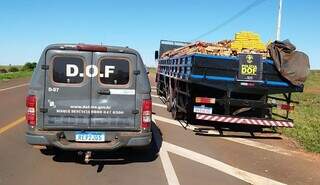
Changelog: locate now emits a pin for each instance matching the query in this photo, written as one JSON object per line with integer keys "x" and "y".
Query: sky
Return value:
{"x": 28, "y": 26}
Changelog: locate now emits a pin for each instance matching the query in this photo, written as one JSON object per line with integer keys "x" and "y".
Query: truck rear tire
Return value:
{"x": 175, "y": 113}
{"x": 158, "y": 89}
{"x": 169, "y": 100}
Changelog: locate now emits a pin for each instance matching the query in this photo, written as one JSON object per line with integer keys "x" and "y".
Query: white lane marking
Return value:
{"x": 260, "y": 145}
{"x": 237, "y": 140}
{"x": 203, "y": 159}
{"x": 218, "y": 165}
{"x": 171, "y": 175}
{"x": 155, "y": 96}
{"x": 13, "y": 87}
{"x": 153, "y": 90}
{"x": 153, "y": 87}
{"x": 159, "y": 105}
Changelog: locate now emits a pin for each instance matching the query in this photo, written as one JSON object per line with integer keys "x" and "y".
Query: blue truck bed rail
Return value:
{"x": 218, "y": 70}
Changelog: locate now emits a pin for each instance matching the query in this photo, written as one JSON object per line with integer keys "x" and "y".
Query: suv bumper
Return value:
{"x": 123, "y": 139}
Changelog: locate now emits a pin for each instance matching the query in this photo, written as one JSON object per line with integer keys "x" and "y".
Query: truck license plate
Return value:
{"x": 90, "y": 136}
{"x": 202, "y": 110}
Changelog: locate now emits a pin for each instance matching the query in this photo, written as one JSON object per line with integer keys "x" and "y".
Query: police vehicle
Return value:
{"x": 89, "y": 97}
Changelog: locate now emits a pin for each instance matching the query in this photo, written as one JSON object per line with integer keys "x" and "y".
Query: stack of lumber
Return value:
{"x": 221, "y": 48}
{"x": 245, "y": 42}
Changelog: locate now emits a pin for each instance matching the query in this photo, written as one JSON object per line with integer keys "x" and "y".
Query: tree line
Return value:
{"x": 29, "y": 66}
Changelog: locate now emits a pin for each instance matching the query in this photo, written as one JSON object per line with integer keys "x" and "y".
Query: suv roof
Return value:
{"x": 91, "y": 47}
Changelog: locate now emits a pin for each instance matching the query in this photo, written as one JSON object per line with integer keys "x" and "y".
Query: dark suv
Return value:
{"x": 89, "y": 97}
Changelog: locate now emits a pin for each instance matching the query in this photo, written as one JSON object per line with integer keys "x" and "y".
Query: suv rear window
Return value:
{"x": 116, "y": 71}
{"x": 67, "y": 70}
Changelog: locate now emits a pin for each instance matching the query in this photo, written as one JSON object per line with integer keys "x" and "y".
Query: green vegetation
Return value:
{"x": 13, "y": 69}
{"x": 307, "y": 115}
{"x": 19, "y": 74}
{"x": 152, "y": 71}
{"x": 17, "y": 71}
{"x": 29, "y": 66}
{"x": 312, "y": 83}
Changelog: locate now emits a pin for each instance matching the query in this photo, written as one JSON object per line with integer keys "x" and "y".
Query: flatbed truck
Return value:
{"x": 215, "y": 90}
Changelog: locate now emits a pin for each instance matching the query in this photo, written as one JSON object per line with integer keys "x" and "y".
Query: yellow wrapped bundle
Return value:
{"x": 247, "y": 40}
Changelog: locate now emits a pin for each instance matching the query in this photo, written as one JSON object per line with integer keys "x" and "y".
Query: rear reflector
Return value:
{"x": 205, "y": 100}
{"x": 285, "y": 107}
{"x": 88, "y": 47}
{"x": 31, "y": 101}
{"x": 146, "y": 114}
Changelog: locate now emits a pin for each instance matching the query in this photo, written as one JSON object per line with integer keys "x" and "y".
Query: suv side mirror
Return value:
{"x": 156, "y": 54}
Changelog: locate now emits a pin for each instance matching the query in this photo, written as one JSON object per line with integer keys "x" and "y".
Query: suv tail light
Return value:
{"x": 31, "y": 101}
{"x": 146, "y": 114}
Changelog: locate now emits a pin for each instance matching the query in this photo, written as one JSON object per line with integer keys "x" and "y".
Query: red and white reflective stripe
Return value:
{"x": 248, "y": 121}
{"x": 234, "y": 120}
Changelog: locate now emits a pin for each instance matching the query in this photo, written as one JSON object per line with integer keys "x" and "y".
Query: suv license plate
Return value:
{"x": 90, "y": 136}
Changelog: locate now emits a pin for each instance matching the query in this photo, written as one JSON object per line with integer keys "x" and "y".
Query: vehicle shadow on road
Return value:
{"x": 233, "y": 133}
{"x": 236, "y": 131}
{"x": 118, "y": 157}
{"x": 240, "y": 136}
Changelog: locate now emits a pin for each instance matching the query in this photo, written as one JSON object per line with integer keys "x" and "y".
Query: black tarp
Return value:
{"x": 293, "y": 65}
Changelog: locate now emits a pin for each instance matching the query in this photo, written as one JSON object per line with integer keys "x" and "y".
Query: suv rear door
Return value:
{"x": 114, "y": 92}
{"x": 67, "y": 89}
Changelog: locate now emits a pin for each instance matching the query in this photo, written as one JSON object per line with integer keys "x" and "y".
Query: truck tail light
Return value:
{"x": 31, "y": 101}
{"x": 287, "y": 107}
{"x": 205, "y": 100}
{"x": 146, "y": 114}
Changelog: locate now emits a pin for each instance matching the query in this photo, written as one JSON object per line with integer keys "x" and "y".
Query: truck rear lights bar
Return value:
{"x": 205, "y": 100}
{"x": 247, "y": 121}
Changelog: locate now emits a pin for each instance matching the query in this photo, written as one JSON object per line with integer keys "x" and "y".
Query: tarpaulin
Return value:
{"x": 293, "y": 65}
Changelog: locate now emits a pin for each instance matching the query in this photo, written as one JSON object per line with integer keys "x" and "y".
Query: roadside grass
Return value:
{"x": 19, "y": 74}
{"x": 313, "y": 80}
{"x": 152, "y": 71}
{"x": 306, "y": 115}
{"x": 8, "y": 72}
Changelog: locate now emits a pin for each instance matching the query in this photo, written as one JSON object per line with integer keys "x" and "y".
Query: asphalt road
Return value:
{"x": 178, "y": 155}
